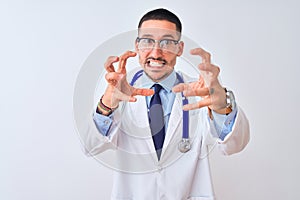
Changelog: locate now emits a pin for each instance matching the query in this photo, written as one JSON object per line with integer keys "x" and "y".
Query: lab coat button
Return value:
{"x": 106, "y": 122}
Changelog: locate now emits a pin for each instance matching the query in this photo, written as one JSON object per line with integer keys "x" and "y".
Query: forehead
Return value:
{"x": 158, "y": 28}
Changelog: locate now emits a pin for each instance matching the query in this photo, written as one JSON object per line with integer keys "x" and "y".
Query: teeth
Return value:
{"x": 156, "y": 64}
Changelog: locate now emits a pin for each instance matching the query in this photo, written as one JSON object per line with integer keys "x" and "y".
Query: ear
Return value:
{"x": 180, "y": 48}
{"x": 136, "y": 46}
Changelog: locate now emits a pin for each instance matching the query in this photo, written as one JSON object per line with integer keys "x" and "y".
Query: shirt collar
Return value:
{"x": 166, "y": 83}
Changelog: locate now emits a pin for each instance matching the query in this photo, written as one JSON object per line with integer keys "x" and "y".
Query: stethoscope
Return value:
{"x": 185, "y": 144}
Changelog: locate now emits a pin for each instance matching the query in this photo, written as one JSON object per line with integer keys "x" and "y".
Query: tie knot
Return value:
{"x": 157, "y": 88}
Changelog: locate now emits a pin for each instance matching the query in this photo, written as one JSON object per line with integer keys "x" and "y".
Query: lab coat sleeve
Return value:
{"x": 95, "y": 142}
{"x": 236, "y": 140}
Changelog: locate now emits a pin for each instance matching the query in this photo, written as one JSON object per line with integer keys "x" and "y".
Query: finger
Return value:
{"x": 180, "y": 87}
{"x": 197, "y": 105}
{"x": 124, "y": 97}
{"x": 196, "y": 92}
{"x": 108, "y": 65}
{"x": 113, "y": 77}
{"x": 123, "y": 60}
{"x": 193, "y": 89}
{"x": 142, "y": 92}
{"x": 206, "y": 57}
{"x": 207, "y": 67}
{"x": 136, "y": 91}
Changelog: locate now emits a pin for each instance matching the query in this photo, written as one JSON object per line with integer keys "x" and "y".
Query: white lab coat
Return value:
{"x": 177, "y": 176}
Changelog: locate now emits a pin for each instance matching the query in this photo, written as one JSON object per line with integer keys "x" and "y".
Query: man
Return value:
{"x": 140, "y": 122}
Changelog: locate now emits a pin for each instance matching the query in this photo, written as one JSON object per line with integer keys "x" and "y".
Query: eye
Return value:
{"x": 147, "y": 41}
{"x": 165, "y": 42}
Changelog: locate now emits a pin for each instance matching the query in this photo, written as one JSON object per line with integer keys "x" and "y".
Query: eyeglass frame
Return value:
{"x": 176, "y": 42}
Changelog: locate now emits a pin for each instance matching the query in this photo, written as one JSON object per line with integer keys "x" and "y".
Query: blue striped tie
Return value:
{"x": 156, "y": 120}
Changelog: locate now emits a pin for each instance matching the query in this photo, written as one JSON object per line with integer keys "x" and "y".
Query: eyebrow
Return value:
{"x": 164, "y": 36}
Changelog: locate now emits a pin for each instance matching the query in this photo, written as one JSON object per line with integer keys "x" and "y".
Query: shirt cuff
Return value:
{"x": 224, "y": 123}
{"x": 103, "y": 123}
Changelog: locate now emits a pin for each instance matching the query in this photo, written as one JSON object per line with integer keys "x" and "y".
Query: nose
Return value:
{"x": 156, "y": 51}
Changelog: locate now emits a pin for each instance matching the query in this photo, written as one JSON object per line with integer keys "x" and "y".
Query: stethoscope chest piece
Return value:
{"x": 185, "y": 145}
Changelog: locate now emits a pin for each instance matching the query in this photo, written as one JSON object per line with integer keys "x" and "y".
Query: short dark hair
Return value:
{"x": 162, "y": 14}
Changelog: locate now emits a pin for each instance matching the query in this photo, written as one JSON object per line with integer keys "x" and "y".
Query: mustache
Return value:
{"x": 158, "y": 59}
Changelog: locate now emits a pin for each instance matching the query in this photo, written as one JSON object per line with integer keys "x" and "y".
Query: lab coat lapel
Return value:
{"x": 174, "y": 122}
{"x": 141, "y": 110}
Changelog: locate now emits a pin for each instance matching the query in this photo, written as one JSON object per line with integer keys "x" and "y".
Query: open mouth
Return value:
{"x": 156, "y": 63}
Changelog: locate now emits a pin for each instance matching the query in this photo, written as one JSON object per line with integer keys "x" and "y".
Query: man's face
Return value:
{"x": 158, "y": 48}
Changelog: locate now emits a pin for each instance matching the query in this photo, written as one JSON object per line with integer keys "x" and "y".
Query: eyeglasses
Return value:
{"x": 148, "y": 44}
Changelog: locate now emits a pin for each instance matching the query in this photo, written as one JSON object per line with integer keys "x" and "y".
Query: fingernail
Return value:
{"x": 132, "y": 99}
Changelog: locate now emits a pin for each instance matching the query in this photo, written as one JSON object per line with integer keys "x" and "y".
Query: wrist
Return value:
{"x": 107, "y": 101}
{"x": 230, "y": 103}
{"x": 223, "y": 111}
{"x": 230, "y": 99}
{"x": 100, "y": 111}
{"x": 104, "y": 109}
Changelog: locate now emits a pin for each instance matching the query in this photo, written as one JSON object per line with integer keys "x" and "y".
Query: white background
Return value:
{"x": 44, "y": 43}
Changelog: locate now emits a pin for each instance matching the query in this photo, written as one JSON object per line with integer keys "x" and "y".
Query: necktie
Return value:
{"x": 156, "y": 120}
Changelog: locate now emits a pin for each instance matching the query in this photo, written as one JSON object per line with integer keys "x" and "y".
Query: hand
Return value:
{"x": 208, "y": 86}
{"x": 118, "y": 88}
